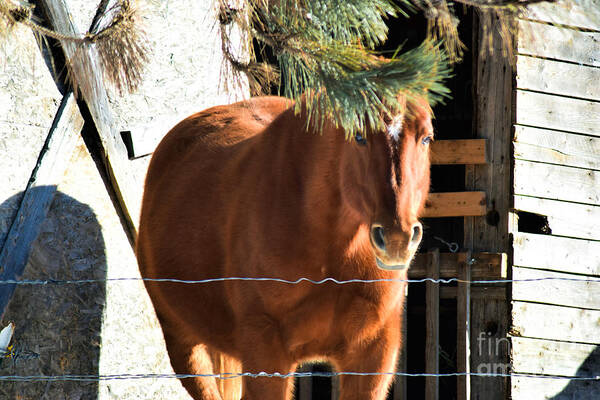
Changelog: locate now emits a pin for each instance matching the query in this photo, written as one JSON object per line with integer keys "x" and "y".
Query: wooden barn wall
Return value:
{"x": 555, "y": 324}
{"x": 107, "y": 328}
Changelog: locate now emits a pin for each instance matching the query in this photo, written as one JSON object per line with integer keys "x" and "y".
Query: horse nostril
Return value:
{"x": 378, "y": 239}
{"x": 417, "y": 233}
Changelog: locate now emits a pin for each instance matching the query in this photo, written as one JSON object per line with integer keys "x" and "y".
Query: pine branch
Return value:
{"x": 324, "y": 50}
{"x": 357, "y": 94}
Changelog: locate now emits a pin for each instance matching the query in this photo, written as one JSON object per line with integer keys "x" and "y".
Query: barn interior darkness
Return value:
{"x": 453, "y": 120}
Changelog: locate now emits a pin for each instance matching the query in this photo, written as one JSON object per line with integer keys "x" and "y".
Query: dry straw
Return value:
{"x": 120, "y": 44}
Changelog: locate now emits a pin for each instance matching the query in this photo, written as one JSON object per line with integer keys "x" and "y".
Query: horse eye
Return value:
{"x": 360, "y": 140}
{"x": 427, "y": 140}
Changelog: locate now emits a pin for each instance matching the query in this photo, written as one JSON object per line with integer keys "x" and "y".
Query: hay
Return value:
{"x": 121, "y": 44}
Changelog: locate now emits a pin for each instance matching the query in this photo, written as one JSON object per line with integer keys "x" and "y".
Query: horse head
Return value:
{"x": 386, "y": 183}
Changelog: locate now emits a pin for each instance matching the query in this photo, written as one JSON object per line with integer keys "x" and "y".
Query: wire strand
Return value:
{"x": 286, "y": 281}
{"x": 227, "y": 375}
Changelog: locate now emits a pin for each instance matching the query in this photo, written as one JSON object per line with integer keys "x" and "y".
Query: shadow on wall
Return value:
{"x": 60, "y": 323}
{"x": 582, "y": 390}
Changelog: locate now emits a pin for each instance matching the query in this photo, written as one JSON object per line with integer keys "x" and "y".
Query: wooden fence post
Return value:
{"x": 432, "y": 320}
{"x": 126, "y": 184}
{"x": 463, "y": 321}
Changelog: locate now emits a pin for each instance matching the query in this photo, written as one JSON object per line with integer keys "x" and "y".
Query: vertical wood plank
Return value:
{"x": 432, "y": 318}
{"x": 493, "y": 120}
{"x": 125, "y": 182}
{"x": 463, "y": 322}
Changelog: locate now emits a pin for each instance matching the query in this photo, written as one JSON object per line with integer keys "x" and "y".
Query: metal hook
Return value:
{"x": 453, "y": 246}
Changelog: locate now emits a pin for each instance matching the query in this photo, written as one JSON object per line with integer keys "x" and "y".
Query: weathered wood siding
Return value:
{"x": 556, "y": 323}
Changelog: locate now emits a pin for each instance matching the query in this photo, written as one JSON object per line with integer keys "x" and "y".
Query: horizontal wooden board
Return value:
{"x": 558, "y": 113}
{"x": 547, "y": 41}
{"x": 455, "y": 204}
{"x": 538, "y": 356}
{"x": 548, "y": 76}
{"x": 527, "y": 388}
{"x": 532, "y": 152}
{"x": 568, "y": 293}
{"x": 545, "y": 321}
{"x": 557, "y": 182}
{"x": 556, "y": 147}
{"x": 477, "y": 292}
{"x": 564, "y": 218}
{"x": 581, "y": 14}
{"x": 463, "y": 151}
{"x": 485, "y": 265}
{"x": 556, "y": 253}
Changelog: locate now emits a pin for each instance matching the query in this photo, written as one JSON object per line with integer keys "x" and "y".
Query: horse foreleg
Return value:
{"x": 379, "y": 355}
{"x": 192, "y": 359}
{"x": 264, "y": 351}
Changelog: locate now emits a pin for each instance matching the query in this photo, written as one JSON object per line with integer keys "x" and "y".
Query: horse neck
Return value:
{"x": 307, "y": 176}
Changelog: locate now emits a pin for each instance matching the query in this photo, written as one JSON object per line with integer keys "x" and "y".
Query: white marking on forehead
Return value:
{"x": 395, "y": 127}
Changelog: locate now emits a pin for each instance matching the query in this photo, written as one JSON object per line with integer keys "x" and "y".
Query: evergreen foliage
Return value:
{"x": 325, "y": 53}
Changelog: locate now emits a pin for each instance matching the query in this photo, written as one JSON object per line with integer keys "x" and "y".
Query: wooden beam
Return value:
{"x": 455, "y": 204}
{"x": 432, "y": 320}
{"x": 555, "y": 147}
{"x": 538, "y": 356}
{"x": 463, "y": 151}
{"x": 38, "y": 196}
{"x": 463, "y": 331}
{"x": 564, "y": 219}
{"x": 547, "y": 41}
{"x": 556, "y": 253}
{"x": 558, "y": 113}
{"x": 556, "y": 182}
{"x": 570, "y": 293}
{"x": 542, "y": 75}
{"x": 493, "y": 76}
{"x": 527, "y": 388}
{"x": 483, "y": 265}
{"x": 577, "y": 14}
{"x": 543, "y": 321}
{"x": 127, "y": 186}
{"x": 477, "y": 293}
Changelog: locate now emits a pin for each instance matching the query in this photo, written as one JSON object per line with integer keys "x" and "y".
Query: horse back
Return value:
{"x": 200, "y": 165}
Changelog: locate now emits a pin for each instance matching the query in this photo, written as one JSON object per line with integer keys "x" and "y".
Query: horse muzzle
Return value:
{"x": 395, "y": 248}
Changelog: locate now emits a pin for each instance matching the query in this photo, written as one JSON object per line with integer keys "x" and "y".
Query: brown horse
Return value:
{"x": 244, "y": 190}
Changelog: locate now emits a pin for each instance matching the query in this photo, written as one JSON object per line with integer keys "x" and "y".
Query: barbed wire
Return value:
{"x": 231, "y": 375}
{"x": 290, "y": 282}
